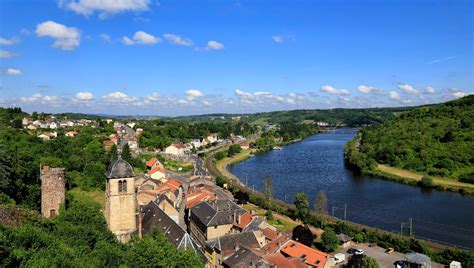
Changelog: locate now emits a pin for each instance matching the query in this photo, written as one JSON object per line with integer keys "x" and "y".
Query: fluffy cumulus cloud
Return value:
{"x": 407, "y": 88}
{"x": 333, "y": 90}
{"x": 66, "y": 38}
{"x": 429, "y": 90}
{"x": 214, "y": 45}
{"x": 178, "y": 40}
{"x": 263, "y": 98}
{"x": 194, "y": 93}
{"x": 105, "y": 8}
{"x": 278, "y": 38}
{"x": 8, "y": 42}
{"x": 5, "y": 54}
{"x": 39, "y": 98}
{"x": 141, "y": 38}
{"x": 118, "y": 97}
{"x": 457, "y": 93}
{"x": 394, "y": 95}
{"x": 84, "y": 96}
{"x": 11, "y": 71}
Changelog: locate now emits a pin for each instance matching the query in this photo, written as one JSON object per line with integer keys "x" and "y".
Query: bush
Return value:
{"x": 220, "y": 155}
{"x": 426, "y": 182}
{"x": 329, "y": 239}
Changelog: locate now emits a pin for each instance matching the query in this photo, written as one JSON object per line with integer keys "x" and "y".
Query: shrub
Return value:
{"x": 426, "y": 182}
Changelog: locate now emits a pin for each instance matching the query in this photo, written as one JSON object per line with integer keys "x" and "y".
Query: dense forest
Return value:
{"x": 437, "y": 140}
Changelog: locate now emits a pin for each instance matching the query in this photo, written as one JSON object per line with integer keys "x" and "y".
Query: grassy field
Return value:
{"x": 221, "y": 165}
{"x": 98, "y": 196}
{"x": 416, "y": 176}
{"x": 260, "y": 121}
{"x": 175, "y": 165}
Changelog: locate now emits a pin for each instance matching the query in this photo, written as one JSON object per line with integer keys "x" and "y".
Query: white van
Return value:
{"x": 339, "y": 257}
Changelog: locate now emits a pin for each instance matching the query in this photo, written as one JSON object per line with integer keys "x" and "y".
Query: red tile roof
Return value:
{"x": 278, "y": 260}
{"x": 245, "y": 219}
{"x": 270, "y": 233}
{"x": 155, "y": 169}
{"x": 311, "y": 256}
{"x": 151, "y": 162}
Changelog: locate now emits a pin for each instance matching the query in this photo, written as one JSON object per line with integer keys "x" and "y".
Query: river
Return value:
{"x": 317, "y": 164}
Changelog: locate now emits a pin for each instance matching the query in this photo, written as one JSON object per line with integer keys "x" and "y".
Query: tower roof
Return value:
{"x": 119, "y": 169}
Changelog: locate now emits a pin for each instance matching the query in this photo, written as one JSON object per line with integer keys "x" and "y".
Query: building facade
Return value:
{"x": 120, "y": 200}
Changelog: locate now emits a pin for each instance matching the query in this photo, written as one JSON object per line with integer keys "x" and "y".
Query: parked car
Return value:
{"x": 351, "y": 250}
{"x": 359, "y": 251}
{"x": 389, "y": 250}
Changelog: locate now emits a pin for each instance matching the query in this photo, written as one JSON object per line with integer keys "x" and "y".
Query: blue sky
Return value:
{"x": 195, "y": 57}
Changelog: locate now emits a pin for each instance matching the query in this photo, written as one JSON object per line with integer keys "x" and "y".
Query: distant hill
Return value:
{"x": 437, "y": 140}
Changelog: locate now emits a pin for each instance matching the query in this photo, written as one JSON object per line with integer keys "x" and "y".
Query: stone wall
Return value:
{"x": 53, "y": 190}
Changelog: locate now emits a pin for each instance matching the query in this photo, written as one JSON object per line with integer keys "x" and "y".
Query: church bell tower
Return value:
{"x": 120, "y": 200}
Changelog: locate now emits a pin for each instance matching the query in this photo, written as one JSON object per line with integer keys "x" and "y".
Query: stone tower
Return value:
{"x": 53, "y": 190}
{"x": 120, "y": 200}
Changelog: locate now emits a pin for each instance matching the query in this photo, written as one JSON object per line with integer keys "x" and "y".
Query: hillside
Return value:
{"x": 436, "y": 140}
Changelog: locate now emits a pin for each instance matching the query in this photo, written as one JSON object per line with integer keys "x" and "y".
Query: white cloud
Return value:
{"x": 278, "y": 38}
{"x": 242, "y": 94}
{"x": 105, "y": 8}
{"x": 5, "y": 54}
{"x": 153, "y": 97}
{"x": 66, "y": 38}
{"x": 11, "y": 71}
{"x": 364, "y": 89}
{"x": 39, "y": 98}
{"x": 333, "y": 90}
{"x": 141, "y": 38}
{"x": 118, "y": 97}
{"x": 214, "y": 45}
{"x": 459, "y": 94}
{"x": 8, "y": 42}
{"x": 193, "y": 93}
{"x": 106, "y": 37}
{"x": 407, "y": 88}
{"x": 394, "y": 95}
{"x": 178, "y": 40}
{"x": 430, "y": 90}
{"x": 84, "y": 96}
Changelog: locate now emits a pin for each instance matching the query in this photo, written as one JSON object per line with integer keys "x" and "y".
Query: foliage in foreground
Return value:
{"x": 79, "y": 237}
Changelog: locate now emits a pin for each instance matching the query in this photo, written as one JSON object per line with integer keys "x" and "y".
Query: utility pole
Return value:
{"x": 411, "y": 227}
{"x": 345, "y": 211}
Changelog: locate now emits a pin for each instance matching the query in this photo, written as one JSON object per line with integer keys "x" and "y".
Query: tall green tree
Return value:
{"x": 362, "y": 261}
{"x": 321, "y": 203}
{"x": 329, "y": 239}
{"x": 302, "y": 206}
{"x": 267, "y": 187}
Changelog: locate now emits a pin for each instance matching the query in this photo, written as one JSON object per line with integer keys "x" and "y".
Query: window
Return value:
{"x": 122, "y": 186}
{"x": 52, "y": 213}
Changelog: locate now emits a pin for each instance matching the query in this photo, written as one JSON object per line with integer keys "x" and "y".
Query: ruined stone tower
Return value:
{"x": 53, "y": 190}
{"x": 120, "y": 200}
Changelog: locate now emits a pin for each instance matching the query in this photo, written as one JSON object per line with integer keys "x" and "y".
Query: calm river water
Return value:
{"x": 316, "y": 164}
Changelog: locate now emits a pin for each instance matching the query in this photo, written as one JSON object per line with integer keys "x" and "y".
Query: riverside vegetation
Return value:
{"x": 435, "y": 140}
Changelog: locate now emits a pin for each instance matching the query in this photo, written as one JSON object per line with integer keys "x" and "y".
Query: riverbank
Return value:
{"x": 359, "y": 161}
{"x": 414, "y": 178}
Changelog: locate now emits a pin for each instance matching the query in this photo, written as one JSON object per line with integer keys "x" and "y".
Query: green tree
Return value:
{"x": 302, "y": 206}
{"x": 329, "y": 239}
{"x": 321, "y": 203}
{"x": 234, "y": 149}
{"x": 267, "y": 187}
{"x": 126, "y": 154}
{"x": 362, "y": 261}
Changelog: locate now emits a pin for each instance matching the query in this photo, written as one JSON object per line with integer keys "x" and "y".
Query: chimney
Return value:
{"x": 140, "y": 218}
{"x": 239, "y": 217}
{"x": 236, "y": 247}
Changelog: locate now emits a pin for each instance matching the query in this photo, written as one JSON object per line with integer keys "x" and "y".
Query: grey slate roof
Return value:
{"x": 155, "y": 219}
{"x": 244, "y": 258}
{"x": 119, "y": 169}
{"x": 217, "y": 213}
{"x": 418, "y": 258}
{"x": 231, "y": 240}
